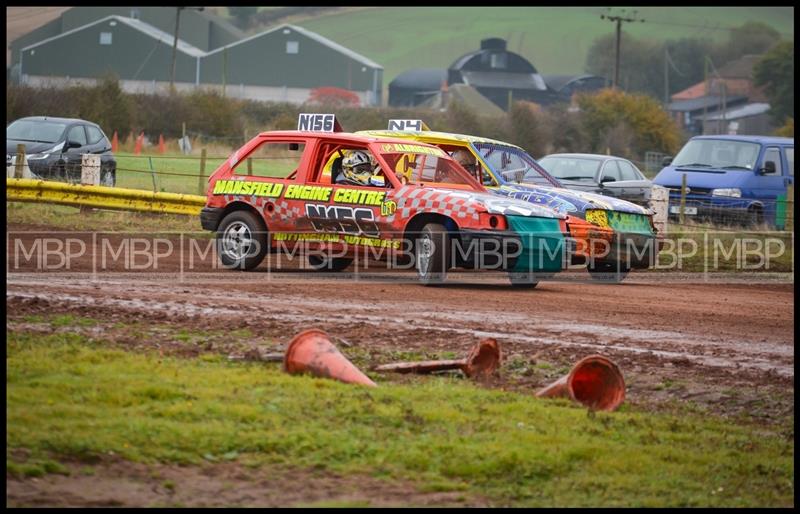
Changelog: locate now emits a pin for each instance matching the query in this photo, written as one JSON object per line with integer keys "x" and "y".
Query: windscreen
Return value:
{"x": 571, "y": 168}
{"x": 514, "y": 165}
{"x": 35, "y": 131}
{"x": 423, "y": 165}
{"x": 717, "y": 153}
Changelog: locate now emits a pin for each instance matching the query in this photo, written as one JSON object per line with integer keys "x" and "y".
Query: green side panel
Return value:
{"x": 629, "y": 223}
{"x": 780, "y": 212}
{"x": 542, "y": 243}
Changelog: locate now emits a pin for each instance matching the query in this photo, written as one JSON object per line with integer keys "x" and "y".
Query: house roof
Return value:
{"x": 735, "y": 113}
{"x": 504, "y": 79}
{"x": 558, "y": 82}
{"x": 423, "y": 79}
{"x": 696, "y": 104}
{"x": 311, "y": 35}
{"x": 142, "y": 27}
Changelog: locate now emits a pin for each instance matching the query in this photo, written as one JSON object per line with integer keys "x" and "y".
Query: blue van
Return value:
{"x": 731, "y": 179}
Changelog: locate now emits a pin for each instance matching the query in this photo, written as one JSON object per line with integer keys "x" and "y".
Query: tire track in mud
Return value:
{"x": 294, "y": 308}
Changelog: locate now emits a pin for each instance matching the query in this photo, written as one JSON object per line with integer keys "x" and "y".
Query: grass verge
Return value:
{"x": 69, "y": 397}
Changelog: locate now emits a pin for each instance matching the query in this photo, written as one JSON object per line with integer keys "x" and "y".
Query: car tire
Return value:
{"x": 523, "y": 280}
{"x": 241, "y": 241}
{"x": 318, "y": 263}
{"x": 108, "y": 177}
{"x": 606, "y": 272}
{"x": 432, "y": 254}
{"x": 755, "y": 217}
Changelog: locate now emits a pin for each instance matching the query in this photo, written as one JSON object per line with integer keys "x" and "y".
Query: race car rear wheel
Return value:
{"x": 608, "y": 272}
{"x": 318, "y": 263}
{"x": 523, "y": 280}
{"x": 432, "y": 254}
{"x": 241, "y": 241}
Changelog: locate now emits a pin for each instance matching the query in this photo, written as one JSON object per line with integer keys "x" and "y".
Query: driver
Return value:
{"x": 359, "y": 169}
{"x": 467, "y": 161}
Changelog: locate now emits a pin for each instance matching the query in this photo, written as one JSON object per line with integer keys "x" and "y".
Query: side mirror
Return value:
{"x": 607, "y": 179}
{"x": 72, "y": 144}
{"x": 769, "y": 167}
{"x": 666, "y": 161}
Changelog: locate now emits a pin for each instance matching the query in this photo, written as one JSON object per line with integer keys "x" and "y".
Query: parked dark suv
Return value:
{"x": 54, "y": 147}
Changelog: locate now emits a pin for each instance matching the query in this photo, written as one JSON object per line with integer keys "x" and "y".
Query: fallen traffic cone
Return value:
{"x": 115, "y": 143}
{"x": 482, "y": 360}
{"x": 139, "y": 140}
{"x": 161, "y": 147}
{"x": 312, "y": 351}
{"x": 594, "y": 381}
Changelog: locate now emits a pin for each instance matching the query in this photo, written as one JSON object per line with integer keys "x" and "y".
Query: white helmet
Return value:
{"x": 357, "y": 167}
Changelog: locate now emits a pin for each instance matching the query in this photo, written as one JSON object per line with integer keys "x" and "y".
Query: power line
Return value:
{"x": 619, "y": 20}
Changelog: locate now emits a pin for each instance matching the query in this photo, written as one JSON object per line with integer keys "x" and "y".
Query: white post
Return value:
{"x": 90, "y": 170}
{"x": 659, "y": 203}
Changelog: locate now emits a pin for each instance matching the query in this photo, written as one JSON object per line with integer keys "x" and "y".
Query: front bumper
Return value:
{"x": 530, "y": 245}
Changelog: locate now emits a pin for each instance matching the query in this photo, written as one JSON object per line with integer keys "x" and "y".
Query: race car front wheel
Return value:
{"x": 431, "y": 254}
{"x": 608, "y": 272}
{"x": 241, "y": 241}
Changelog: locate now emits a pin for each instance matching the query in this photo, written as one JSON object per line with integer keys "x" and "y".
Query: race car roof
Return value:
{"x": 432, "y": 135}
{"x": 359, "y": 137}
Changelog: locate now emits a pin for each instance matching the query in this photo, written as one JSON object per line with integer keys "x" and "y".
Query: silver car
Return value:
{"x": 602, "y": 174}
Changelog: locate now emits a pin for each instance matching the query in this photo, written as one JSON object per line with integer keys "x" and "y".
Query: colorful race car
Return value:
{"x": 271, "y": 195}
{"x": 618, "y": 235}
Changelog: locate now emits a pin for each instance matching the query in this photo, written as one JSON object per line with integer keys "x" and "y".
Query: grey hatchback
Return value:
{"x": 54, "y": 147}
{"x": 602, "y": 174}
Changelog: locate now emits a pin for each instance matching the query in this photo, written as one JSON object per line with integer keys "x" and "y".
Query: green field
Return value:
{"x": 554, "y": 39}
{"x": 73, "y": 397}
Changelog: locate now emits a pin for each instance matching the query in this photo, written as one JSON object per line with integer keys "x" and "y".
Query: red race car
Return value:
{"x": 335, "y": 196}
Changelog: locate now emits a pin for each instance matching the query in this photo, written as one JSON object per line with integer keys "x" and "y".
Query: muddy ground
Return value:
{"x": 722, "y": 345}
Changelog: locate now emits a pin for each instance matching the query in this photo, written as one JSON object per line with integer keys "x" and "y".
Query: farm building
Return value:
{"x": 285, "y": 63}
{"x": 494, "y": 72}
{"x": 568, "y": 85}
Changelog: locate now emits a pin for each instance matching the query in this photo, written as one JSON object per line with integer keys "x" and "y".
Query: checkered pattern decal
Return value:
{"x": 411, "y": 200}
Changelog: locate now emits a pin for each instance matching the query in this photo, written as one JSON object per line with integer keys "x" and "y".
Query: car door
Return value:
{"x": 610, "y": 179}
{"x": 636, "y": 187}
{"x": 72, "y": 157}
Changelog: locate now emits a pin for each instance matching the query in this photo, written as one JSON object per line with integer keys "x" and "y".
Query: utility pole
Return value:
{"x": 175, "y": 44}
{"x": 619, "y": 20}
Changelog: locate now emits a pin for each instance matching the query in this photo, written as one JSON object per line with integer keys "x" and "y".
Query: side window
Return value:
{"x": 272, "y": 159}
{"x": 774, "y": 155}
{"x": 77, "y": 133}
{"x": 95, "y": 134}
{"x": 611, "y": 170}
{"x": 627, "y": 171}
{"x": 790, "y": 160}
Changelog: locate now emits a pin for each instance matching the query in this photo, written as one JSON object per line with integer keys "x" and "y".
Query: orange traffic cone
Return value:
{"x": 594, "y": 381}
{"x": 482, "y": 360}
{"x": 139, "y": 140}
{"x": 115, "y": 143}
{"x": 161, "y": 147}
{"x": 312, "y": 351}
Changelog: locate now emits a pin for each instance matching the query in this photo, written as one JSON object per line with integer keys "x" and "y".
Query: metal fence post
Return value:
{"x": 152, "y": 174}
{"x": 683, "y": 199}
{"x": 790, "y": 208}
{"x": 20, "y": 164}
{"x": 249, "y": 166}
{"x": 201, "y": 179}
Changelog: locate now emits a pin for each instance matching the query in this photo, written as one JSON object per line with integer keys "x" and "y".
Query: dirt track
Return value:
{"x": 719, "y": 343}
{"x": 724, "y": 346}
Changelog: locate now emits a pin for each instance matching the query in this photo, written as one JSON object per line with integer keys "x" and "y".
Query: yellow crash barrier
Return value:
{"x": 101, "y": 197}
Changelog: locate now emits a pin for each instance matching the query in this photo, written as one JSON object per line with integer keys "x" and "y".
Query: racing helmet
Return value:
{"x": 357, "y": 168}
{"x": 467, "y": 161}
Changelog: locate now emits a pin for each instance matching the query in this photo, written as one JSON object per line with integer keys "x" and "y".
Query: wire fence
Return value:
{"x": 188, "y": 174}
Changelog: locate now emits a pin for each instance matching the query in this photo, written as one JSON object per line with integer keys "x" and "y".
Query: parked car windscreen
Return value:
{"x": 36, "y": 131}
{"x": 512, "y": 163}
{"x": 718, "y": 153}
{"x": 571, "y": 168}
